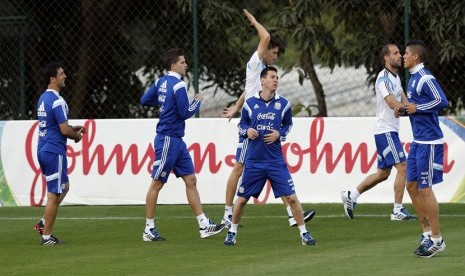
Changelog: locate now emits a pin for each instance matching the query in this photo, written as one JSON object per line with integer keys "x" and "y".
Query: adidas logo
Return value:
{"x": 41, "y": 110}
{"x": 163, "y": 87}
{"x": 256, "y": 106}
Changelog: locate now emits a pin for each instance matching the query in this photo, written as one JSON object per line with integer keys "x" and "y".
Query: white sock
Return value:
{"x": 354, "y": 194}
{"x": 233, "y": 228}
{"x": 149, "y": 224}
{"x": 436, "y": 241}
{"x": 302, "y": 229}
{"x": 289, "y": 211}
{"x": 427, "y": 234}
{"x": 202, "y": 220}
{"x": 46, "y": 237}
{"x": 227, "y": 211}
{"x": 397, "y": 207}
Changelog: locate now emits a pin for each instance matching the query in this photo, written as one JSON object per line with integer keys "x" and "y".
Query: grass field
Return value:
{"x": 106, "y": 240}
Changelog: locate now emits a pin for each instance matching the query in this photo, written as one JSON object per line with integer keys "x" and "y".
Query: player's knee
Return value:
{"x": 411, "y": 187}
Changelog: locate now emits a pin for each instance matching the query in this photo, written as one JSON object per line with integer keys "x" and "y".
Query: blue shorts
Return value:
{"x": 171, "y": 155}
{"x": 389, "y": 149}
{"x": 255, "y": 175}
{"x": 55, "y": 170}
{"x": 424, "y": 164}
{"x": 241, "y": 149}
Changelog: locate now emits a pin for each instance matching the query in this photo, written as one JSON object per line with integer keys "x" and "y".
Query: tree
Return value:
{"x": 364, "y": 26}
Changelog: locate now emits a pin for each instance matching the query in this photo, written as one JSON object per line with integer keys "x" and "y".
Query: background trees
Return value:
{"x": 108, "y": 45}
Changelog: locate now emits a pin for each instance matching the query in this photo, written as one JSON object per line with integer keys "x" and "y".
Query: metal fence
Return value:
{"x": 112, "y": 51}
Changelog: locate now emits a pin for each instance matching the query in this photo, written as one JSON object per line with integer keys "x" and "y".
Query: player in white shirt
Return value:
{"x": 389, "y": 95}
{"x": 267, "y": 53}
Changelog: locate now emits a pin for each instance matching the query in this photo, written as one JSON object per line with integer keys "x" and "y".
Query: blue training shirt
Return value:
{"x": 169, "y": 93}
{"x": 262, "y": 116}
{"x": 52, "y": 111}
{"x": 424, "y": 90}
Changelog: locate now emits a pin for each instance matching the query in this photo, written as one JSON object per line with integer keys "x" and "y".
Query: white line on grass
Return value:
{"x": 190, "y": 217}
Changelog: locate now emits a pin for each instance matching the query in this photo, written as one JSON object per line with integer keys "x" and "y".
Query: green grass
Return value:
{"x": 106, "y": 240}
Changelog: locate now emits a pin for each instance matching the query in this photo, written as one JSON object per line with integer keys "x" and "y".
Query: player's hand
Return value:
{"x": 80, "y": 128}
{"x": 229, "y": 112}
{"x": 399, "y": 111}
{"x": 411, "y": 108}
{"x": 79, "y": 135}
{"x": 199, "y": 97}
{"x": 250, "y": 17}
{"x": 271, "y": 137}
{"x": 252, "y": 133}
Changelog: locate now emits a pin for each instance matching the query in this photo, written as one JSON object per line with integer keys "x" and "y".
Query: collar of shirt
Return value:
{"x": 54, "y": 92}
{"x": 416, "y": 68}
{"x": 394, "y": 74}
{"x": 257, "y": 95}
{"x": 174, "y": 74}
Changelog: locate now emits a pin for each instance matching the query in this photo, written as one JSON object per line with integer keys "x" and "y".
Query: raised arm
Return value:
{"x": 263, "y": 35}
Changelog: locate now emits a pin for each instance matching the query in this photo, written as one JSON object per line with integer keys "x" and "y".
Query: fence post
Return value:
{"x": 406, "y": 35}
{"x": 196, "y": 49}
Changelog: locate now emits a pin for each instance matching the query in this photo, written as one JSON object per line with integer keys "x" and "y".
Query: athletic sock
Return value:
{"x": 397, "y": 208}
{"x": 202, "y": 220}
{"x": 302, "y": 229}
{"x": 436, "y": 241}
{"x": 149, "y": 224}
{"x": 354, "y": 194}
{"x": 227, "y": 211}
{"x": 233, "y": 228}
{"x": 289, "y": 211}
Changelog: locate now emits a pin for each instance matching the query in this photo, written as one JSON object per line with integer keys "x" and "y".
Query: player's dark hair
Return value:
{"x": 418, "y": 47}
{"x": 275, "y": 42}
{"x": 50, "y": 70}
{"x": 172, "y": 56}
{"x": 264, "y": 72}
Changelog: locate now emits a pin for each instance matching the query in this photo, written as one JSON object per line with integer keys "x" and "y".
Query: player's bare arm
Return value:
{"x": 263, "y": 35}
{"x": 229, "y": 112}
{"x": 70, "y": 133}
{"x": 392, "y": 102}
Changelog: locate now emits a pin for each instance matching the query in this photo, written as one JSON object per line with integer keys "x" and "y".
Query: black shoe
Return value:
{"x": 308, "y": 215}
{"x": 50, "y": 241}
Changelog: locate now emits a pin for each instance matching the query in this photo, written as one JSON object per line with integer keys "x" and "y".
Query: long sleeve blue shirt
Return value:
{"x": 264, "y": 116}
{"x": 169, "y": 93}
{"x": 424, "y": 90}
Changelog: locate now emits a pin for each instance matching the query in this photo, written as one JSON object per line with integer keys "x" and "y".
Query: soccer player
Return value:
{"x": 425, "y": 158}
{"x": 54, "y": 130}
{"x": 389, "y": 95}
{"x": 169, "y": 94}
{"x": 266, "y": 120}
{"x": 266, "y": 54}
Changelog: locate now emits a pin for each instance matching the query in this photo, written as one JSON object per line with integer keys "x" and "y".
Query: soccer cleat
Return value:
{"x": 349, "y": 204}
{"x": 403, "y": 214}
{"x": 152, "y": 235}
{"x": 308, "y": 215}
{"x": 431, "y": 249}
{"x": 307, "y": 239}
{"x": 230, "y": 239}
{"x": 423, "y": 241}
{"x": 227, "y": 221}
{"x": 50, "y": 241}
{"x": 40, "y": 227}
{"x": 211, "y": 229}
